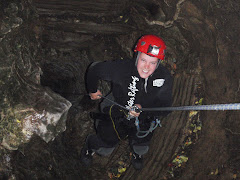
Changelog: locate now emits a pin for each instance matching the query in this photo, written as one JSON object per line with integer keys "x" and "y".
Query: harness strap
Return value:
{"x": 152, "y": 127}
{"x": 114, "y": 127}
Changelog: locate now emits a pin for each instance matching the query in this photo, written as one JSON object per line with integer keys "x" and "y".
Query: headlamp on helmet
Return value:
{"x": 152, "y": 46}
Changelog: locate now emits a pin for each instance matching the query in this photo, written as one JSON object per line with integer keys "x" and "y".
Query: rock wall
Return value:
{"x": 27, "y": 108}
{"x": 46, "y": 47}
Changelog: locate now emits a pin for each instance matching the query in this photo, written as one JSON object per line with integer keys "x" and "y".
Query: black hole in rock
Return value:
{"x": 59, "y": 79}
{"x": 153, "y": 9}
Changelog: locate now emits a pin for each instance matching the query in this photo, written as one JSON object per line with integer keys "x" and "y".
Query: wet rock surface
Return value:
{"x": 45, "y": 49}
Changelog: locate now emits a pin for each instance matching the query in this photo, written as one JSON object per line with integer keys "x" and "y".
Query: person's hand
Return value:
{"x": 133, "y": 113}
{"x": 95, "y": 96}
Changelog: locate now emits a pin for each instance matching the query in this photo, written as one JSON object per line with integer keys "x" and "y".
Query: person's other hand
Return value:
{"x": 95, "y": 96}
{"x": 135, "y": 114}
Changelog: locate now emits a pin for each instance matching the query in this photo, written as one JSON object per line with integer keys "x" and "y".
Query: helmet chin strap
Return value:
{"x": 138, "y": 54}
{"x": 159, "y": 61}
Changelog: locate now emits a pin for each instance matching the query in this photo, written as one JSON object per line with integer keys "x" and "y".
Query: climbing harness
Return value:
{"x": 133, "y": 108}
{"x": 153, "y": 126}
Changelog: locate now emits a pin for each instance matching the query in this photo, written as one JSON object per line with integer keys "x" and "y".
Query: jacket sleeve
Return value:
{"x": 107, "y": 70}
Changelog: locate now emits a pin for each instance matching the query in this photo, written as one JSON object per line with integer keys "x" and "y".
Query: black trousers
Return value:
{"x": 108, "y": 134}
{"x": 107, "y": 137}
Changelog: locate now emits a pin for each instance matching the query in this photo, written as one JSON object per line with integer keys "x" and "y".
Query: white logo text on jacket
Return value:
{"x": 133, "y": 91}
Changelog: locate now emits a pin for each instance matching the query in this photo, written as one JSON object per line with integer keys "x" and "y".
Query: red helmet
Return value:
{"x": 151, "y": 45}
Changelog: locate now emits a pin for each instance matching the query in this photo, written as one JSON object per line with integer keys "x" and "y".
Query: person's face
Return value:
{"x": 146, "y": 65}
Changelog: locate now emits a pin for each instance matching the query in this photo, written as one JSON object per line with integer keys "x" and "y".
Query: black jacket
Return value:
{"x": 128, "y": 88}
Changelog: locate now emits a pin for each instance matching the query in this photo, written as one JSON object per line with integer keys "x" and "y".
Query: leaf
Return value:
{"x": 121, "y": 170}
{"x": 110, "y": 175}
{"x": 174, "y": 66}
{"x": 199, "y": 128}
{"x": 120, "y": 162}
{"x": 195, "y": 130}
{"x": 184, "y": 158}
{"x": 188, "y": 143}
{"x": 192, "y": 113}
{"x": 117, "y": 176}
{"x": 200, "y": 102}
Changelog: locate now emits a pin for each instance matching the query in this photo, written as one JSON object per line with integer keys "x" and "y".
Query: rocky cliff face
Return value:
{"x": 27, "y": 108}
{"x": 45, "y": 49}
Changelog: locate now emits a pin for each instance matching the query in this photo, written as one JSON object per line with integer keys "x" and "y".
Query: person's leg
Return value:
{"x": 139, "y": 147}
{"x": 100, "y": 147}
{"x": 103, "y": 143}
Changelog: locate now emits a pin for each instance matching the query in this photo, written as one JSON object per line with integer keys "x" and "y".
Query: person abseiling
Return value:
{"x": 142, "y": 83}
